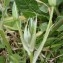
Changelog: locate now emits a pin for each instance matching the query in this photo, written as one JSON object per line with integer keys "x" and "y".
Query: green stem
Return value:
{"x": 45, "y": 37}
{"x": 6, "y": 43}
{"x": 31, "y": 57}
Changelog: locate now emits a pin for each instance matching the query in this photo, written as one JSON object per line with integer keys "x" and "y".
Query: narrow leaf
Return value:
{"x": 25, "y": 45}
{"x": 5, "y": 41}
{"x": 33, "y": 39}
{"x": 15, "y": 11}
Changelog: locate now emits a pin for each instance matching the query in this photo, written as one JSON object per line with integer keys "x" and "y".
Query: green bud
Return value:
{"x": 52, "y": 2}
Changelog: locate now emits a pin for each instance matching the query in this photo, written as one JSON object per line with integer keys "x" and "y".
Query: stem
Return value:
{"x": 31, "y": 57}
{"x": 45, "y": 37}
{"x": 6, "y": 43}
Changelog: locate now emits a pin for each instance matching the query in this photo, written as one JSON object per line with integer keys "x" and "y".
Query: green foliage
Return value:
{"x": 15, "y": 58}
{"x": 2, "y": 59}
{"x": 36, "y": 39}
{"x": 28, "y": 5}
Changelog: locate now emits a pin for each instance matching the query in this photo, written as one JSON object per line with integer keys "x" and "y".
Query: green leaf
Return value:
{"x": 11, "y": 24}
{"x": 27, "y": 35}
{"x": 33, "y": 27}
{"x": 14, "y": 11}
{"x": 45, "y": 1}
{"x": 60, "y": 28}
{"x": 27, "y": 5}
{"x": 2, "y": 46}
{"x": 25, "y": 45}
{"x": 15, "y": 58}
{"x": 2, "y": 59}
{"x": 43, "y": 8}
{"x": 43, "y": 27}
{"x": 57, "y": 24}
{"x": 5, "y": 42}
{"x": 6, "y": 2}
{"x": 29, "y": 14}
